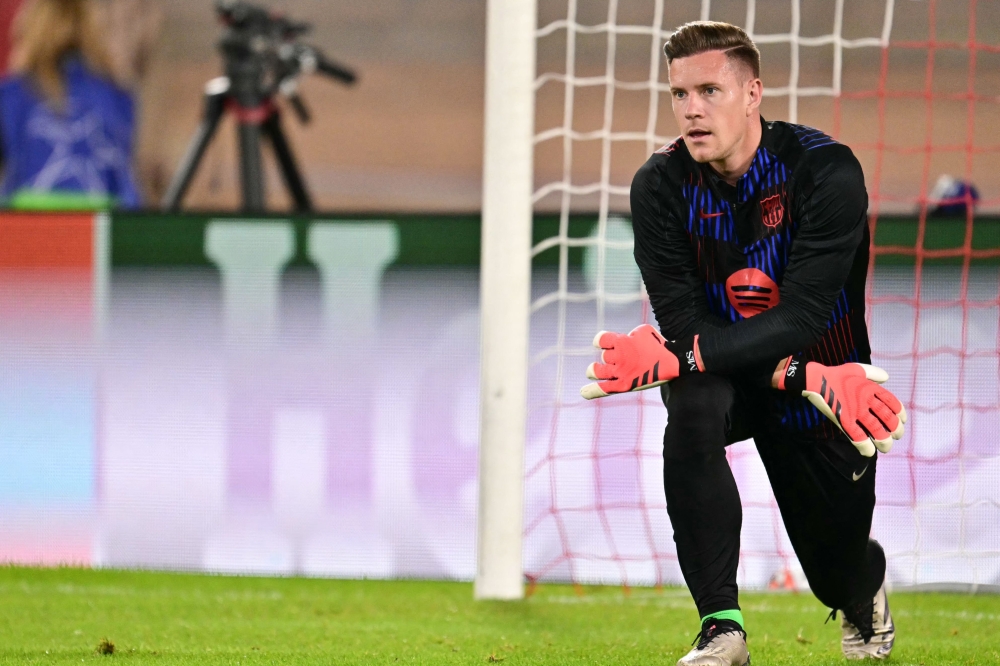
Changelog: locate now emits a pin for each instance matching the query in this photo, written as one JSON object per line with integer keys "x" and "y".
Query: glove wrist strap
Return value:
{"x": 688, "y": 356}
{"x": 793, "y": 379}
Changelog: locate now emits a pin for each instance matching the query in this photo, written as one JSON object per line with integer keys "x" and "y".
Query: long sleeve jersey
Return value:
{"x": 771, "y": 267}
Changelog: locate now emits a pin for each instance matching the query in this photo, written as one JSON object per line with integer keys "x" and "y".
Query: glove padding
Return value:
{"x": 637, "y": 361}
{"x": 850, "y": 396}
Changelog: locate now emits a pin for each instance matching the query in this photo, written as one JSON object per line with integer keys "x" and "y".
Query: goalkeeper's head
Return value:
{"x": 715, "y": 93}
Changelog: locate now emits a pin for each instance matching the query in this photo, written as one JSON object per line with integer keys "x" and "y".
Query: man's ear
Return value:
{"x": 754, "y": 90}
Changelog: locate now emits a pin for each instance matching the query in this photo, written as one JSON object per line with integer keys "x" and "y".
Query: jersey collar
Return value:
{"x": 757, "y": 176}
{"x": 750, "y": 183}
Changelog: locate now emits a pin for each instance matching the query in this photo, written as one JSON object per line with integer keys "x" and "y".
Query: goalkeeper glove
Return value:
{"x": 850, "y": 396}
{"x": 639, "y": 361}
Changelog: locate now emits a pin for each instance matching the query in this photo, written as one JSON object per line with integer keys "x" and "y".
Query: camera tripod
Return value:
{"x": 253, "y": 123}
{"x": 254, "y": 77}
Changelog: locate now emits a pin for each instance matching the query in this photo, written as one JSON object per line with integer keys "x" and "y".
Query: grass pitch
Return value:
{"x": 69, "y": 616}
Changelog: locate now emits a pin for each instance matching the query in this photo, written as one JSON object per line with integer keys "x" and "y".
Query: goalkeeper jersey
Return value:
{"x": 771, "y": 267}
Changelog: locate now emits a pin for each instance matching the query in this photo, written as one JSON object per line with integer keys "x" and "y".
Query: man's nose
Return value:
{"x": 693, "y": 108}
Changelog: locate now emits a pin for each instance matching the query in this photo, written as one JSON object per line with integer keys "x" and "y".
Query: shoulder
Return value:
{"x": 15, "y": 85}
{"x": 666, "y": 166}
{"x": 813, "y": 155}
{"x": 18, "y": 100}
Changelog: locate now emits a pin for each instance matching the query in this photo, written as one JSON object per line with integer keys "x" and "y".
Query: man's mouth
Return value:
{"x": 698, "y": 133}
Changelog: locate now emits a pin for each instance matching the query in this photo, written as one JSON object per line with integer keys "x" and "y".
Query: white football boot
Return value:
{"x": 720, "y": 643}
{"x": 868, "y": 631}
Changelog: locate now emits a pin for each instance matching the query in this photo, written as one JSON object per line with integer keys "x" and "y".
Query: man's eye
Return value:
{"x": 710, "y": 90}
{"x": 679, "y": 95}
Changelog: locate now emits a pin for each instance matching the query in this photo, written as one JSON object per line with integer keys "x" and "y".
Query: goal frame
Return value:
{"x": 507, "y": 214}
{"x": 505, "y": 295}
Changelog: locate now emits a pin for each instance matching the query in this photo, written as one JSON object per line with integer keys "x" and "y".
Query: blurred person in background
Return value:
{"x": 66, "y": 127}
{"x": 952, "y": 197}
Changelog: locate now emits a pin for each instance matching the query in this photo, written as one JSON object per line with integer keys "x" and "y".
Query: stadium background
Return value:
{"x": 299, "y": 395}
{"x": 409, "y": 136}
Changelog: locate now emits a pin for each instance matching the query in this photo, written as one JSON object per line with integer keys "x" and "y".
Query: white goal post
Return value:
{"x": 505, "y": 299}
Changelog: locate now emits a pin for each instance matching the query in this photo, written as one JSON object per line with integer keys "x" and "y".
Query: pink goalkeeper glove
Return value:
{"x": 850, "y": 396}
{"x": 639, "y": 361}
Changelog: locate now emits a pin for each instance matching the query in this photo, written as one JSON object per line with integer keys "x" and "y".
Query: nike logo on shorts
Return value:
{"x": 857, "y": 476}
{"x": 705, "y": 215}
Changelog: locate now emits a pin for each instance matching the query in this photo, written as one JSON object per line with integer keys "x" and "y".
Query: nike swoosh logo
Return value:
{"x": 705, "y": 215}
{"x": 858, "y": 476}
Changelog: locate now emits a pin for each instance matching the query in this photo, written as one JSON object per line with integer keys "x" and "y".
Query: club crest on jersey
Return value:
{"x": 771, "y": 211}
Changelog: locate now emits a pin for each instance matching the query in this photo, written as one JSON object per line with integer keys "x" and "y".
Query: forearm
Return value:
{"x": 679, "y": 306}
{"x": 778, "y": 333}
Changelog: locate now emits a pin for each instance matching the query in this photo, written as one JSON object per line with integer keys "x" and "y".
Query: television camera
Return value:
{"x": 263, "y": 58}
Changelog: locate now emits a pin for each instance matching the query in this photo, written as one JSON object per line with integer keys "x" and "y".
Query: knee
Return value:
{"x": 851, "y": 581}
{"x": 697, "y": 416}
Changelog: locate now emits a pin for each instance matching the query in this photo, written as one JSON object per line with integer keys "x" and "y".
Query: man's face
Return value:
{"x": 712, "y": 99}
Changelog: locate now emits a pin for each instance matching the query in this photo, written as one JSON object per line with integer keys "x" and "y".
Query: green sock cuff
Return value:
{"x": 733, "y": 615}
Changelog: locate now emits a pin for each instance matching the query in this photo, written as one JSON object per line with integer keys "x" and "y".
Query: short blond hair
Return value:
{"x": 701, "y": 36}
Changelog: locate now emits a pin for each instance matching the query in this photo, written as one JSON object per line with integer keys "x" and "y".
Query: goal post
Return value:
{"x": 577, "y": 98}
{"x": 505, "y": 283}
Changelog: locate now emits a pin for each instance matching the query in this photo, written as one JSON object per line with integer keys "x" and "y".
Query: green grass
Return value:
{"x": 53, "y": 616}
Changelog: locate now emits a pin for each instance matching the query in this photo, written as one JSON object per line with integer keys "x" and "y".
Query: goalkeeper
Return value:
{"x": 752, "y": 240}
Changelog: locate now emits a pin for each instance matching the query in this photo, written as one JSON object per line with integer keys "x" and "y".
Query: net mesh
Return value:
{"x": 911, "y": 89}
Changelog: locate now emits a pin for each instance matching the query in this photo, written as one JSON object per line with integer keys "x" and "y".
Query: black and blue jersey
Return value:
{"x": 771, "y": 267}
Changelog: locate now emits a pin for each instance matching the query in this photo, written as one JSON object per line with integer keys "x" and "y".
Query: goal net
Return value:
{"x": 910, "y": 87}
